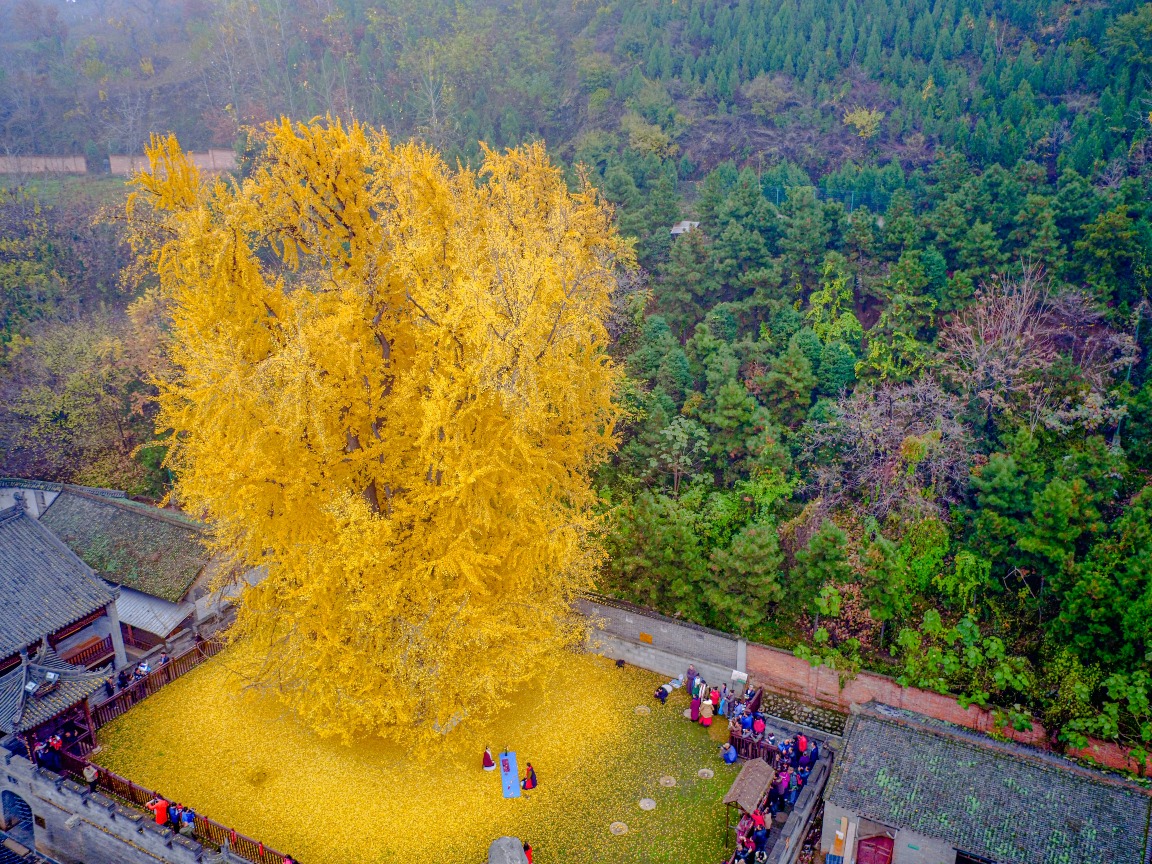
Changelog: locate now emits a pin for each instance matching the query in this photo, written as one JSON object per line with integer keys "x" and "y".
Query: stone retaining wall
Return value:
{"x": 72, "y": 825}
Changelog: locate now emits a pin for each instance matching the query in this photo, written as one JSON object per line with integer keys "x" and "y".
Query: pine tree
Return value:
{"x": 822, "y": 562}
{"x": 688, "y": 282}
{"x": 744, "y": 579}
{"x": 787, "y": 386}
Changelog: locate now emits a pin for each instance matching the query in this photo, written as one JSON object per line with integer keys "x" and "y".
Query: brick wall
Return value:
{"x": 783, "y": 672}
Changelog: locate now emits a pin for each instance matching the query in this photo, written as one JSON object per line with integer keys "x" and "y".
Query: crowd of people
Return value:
{"x": 126, "y": 678}
{"x": 46, "y": 753}
{"x": 182, "y": 819}
{"x": 706, "y": 701}
{"x": 791, "y": 758}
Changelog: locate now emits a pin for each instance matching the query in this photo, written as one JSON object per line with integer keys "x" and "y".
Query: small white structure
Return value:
{"x": 683, "y": 228}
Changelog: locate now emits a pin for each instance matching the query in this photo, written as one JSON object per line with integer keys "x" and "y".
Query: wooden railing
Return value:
{"x": 91, "y": 655}
{"x": 111, "y": 708}
{"x": 134, "y": 641}
{"x": 205, "y": 830}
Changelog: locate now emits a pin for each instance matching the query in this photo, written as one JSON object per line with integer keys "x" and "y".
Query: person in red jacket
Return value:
{"x": 159, "y": 808}
{"x": 489, "y": 764}
{"x": 529, "y": 781}
{"x": 528, "y": 851}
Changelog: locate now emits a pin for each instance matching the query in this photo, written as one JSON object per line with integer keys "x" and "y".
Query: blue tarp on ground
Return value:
{"x": 509, "y": 775}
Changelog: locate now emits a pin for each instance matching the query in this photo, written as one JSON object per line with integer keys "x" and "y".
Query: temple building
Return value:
{"x": 910, "y": 789}
{"x": 58, "y": 623}
{"x": 155, "y": 556}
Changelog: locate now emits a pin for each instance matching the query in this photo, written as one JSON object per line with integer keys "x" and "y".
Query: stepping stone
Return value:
{"x": 668, "y": 781}
{"x": 688, "y": 713}
{"x": 705, "y": 774}
{"x": 643, "y": 710}
{"x": 647, "y": 804}
{"x": 618, "y": 828}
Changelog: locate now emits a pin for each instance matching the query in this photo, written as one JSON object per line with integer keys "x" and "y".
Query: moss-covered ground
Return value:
{"x": 244, "y": 760}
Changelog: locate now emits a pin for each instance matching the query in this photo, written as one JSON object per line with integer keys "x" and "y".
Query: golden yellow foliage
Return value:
{"x": 865, "y": 121}
{"x": 389, "y": 390}
{"x": 239, "y": 759}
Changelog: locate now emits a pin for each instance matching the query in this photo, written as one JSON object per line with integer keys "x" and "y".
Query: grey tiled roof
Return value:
{"x": 43, "y": 585}
{"x": 1005, "y": 802}
{"x": 132, "y": 544}
{"x": 20, "y": 711}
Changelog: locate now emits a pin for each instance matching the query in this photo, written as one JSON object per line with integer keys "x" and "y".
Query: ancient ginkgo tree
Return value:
{"x": 390, "y": 387}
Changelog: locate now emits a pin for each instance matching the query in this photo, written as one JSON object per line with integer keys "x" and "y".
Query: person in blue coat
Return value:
{"x": 728, "y": 754}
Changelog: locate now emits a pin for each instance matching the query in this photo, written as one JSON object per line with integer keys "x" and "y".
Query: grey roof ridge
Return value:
{"x": 113, "y": 591}
{"x": 973, "y": 738}
{"x": 144, "y": 510}
{"x": 9, "y": 513}
{"x": 54, "y": 486}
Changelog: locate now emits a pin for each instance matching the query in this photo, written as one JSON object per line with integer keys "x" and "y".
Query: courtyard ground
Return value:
{"x": 243, "y": 760}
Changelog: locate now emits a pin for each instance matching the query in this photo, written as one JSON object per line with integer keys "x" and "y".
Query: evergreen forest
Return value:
{"x": 888, "y": 399}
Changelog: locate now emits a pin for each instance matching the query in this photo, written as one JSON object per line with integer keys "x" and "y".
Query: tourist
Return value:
{"x": 714, "y": 696}
{"x": 706, "y": 712}
{"x": 159, "y": 808}
{"x": 793, "y": 788}
{"x": 664, "y": 691}
{"x": 91, "y": 774}
{"x": 188, "y": 822}
{"x": 760, "y": 838}
{"x": 801, "y": 743}
{"x": 528, "y": 851}
{"x": 758, "y": 727}
{"x": 788, "y": 751}
{"x": 722, "y": 706}
{"x": 529, "y": 781}
{"x": 488, "y": 761}
{"x": 728, "y": 754}
{"x": 782, "y": 782}
{"x": 164, "y": 658}
{"x": 174, "y": 814}
{"x": 757, "y": 818}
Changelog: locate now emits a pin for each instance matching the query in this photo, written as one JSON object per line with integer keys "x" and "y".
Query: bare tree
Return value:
{"x": 891, "y": 449}
{"x": 996, "y": 350}
{"x": 434, "y": 100}
{"x": 1019, "y": 350}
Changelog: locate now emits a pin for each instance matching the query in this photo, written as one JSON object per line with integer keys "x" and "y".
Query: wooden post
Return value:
{"x": 91, "y": 725}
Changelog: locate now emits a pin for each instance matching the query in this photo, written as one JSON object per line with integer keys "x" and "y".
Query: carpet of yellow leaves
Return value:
{"x": 241, "y": 759}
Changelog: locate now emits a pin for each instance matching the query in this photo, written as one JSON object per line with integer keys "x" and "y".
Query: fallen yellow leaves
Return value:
{"x": 243, "y": 760}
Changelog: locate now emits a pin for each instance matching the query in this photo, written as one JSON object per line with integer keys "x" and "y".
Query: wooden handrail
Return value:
{"x": 204, "y": 828}
{"x": 100, "y": 650}
{"x": 108, "y": 710}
